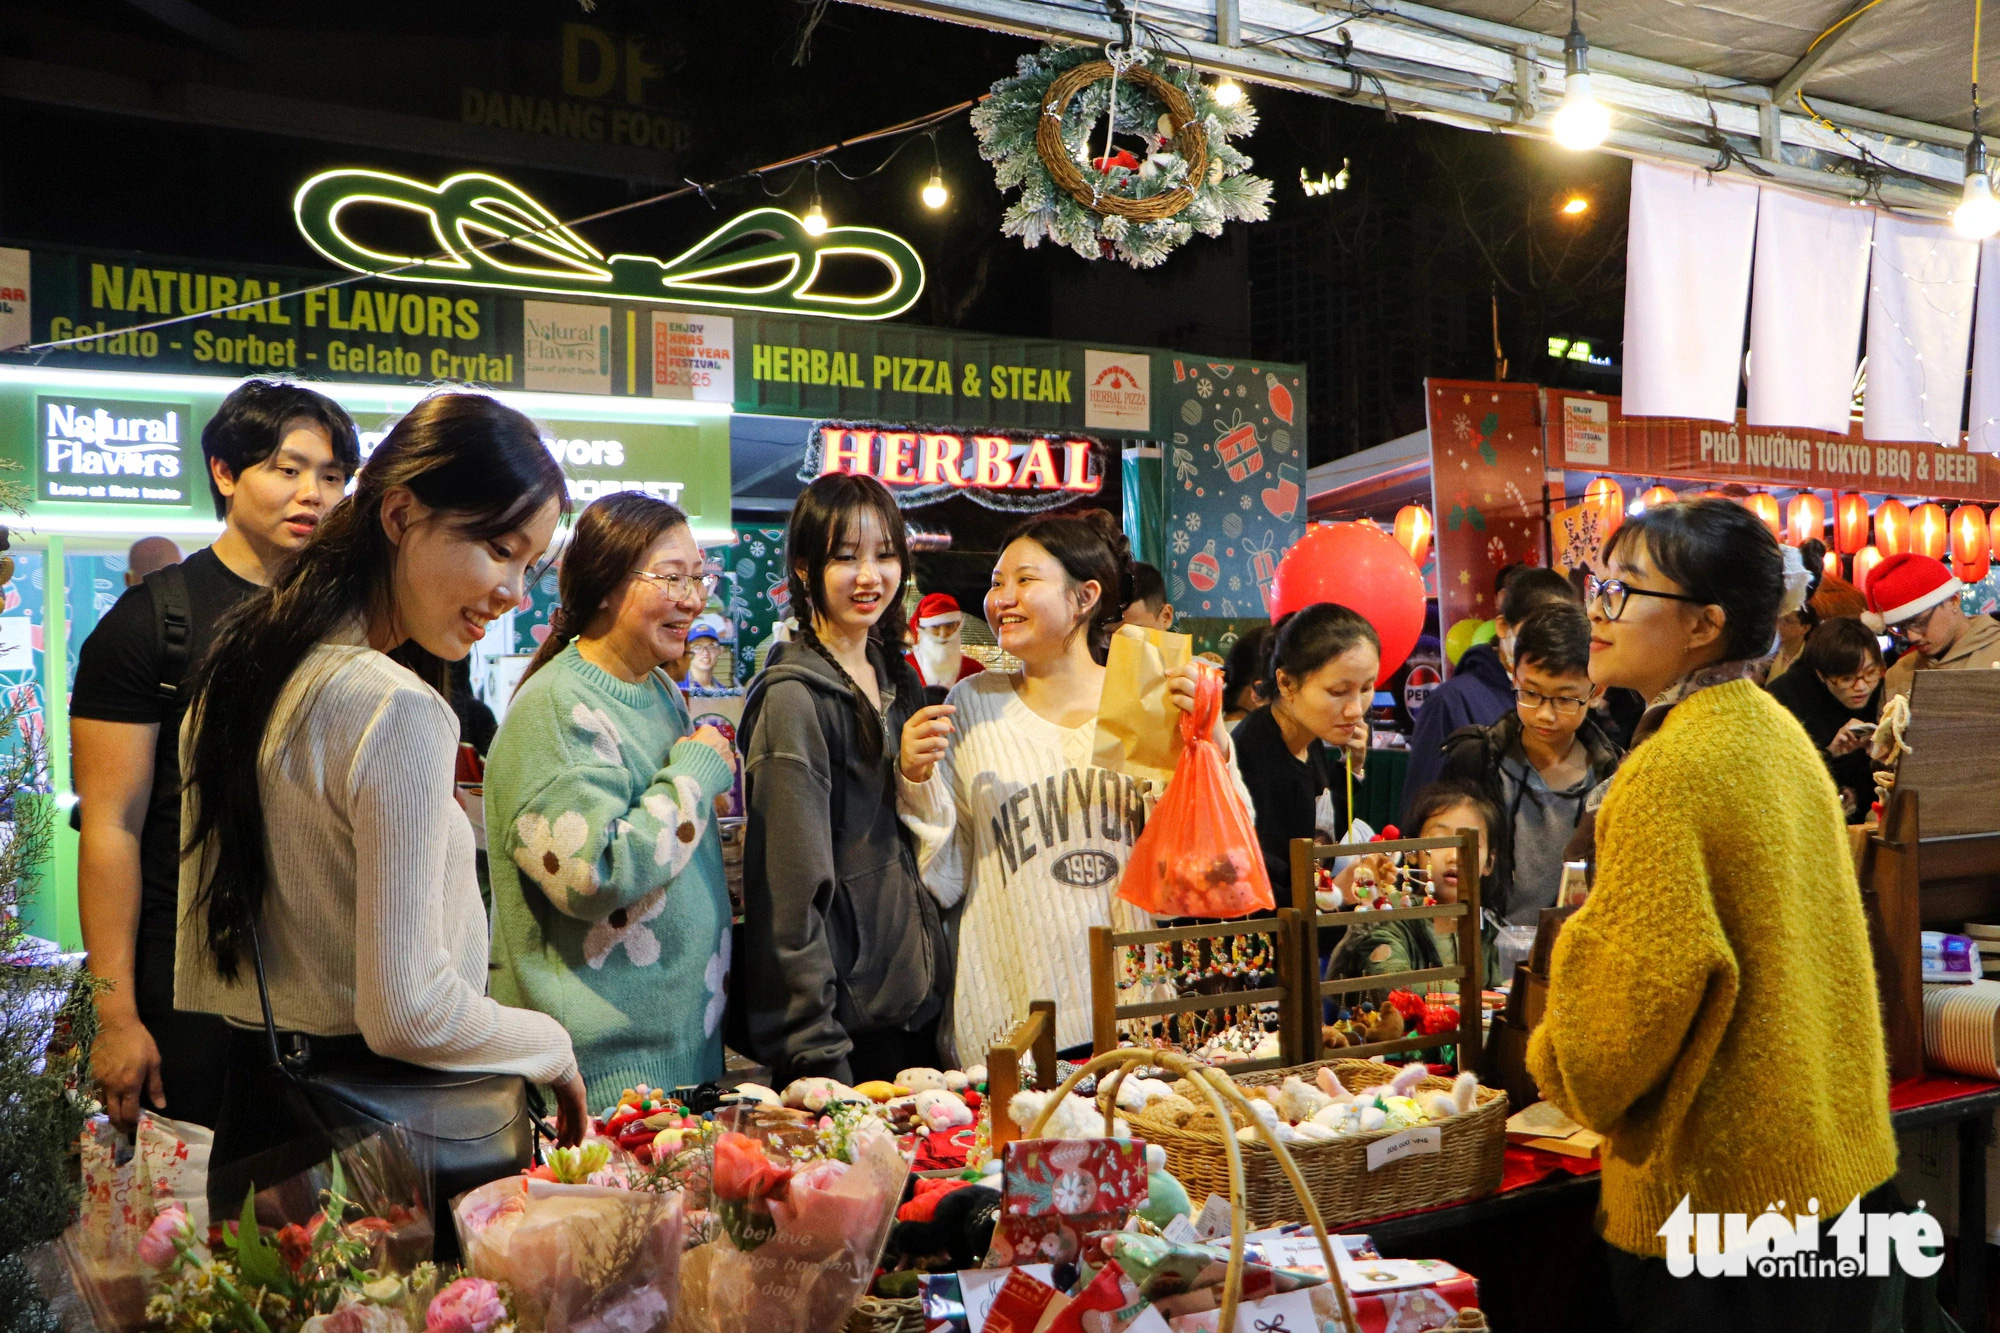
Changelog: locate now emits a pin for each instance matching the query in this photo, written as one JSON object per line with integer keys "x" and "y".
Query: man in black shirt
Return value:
{"x": 279, "y": 456}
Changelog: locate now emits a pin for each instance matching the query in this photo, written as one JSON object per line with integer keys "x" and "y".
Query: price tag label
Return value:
{"x": 1424, "y": 1142}
{"x": 1213, "y": 1220}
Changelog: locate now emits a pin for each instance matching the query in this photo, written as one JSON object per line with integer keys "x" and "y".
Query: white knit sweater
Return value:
{"x": 372, "y": 921}
{"x": 1018, "y": 823}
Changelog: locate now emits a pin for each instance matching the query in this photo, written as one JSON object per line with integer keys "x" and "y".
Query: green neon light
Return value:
{"x": 473, "y": 209}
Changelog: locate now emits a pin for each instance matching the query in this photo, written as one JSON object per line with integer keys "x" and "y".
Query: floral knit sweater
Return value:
{"x": 610, "y": 913}
{"x": 1712, "y": 1007}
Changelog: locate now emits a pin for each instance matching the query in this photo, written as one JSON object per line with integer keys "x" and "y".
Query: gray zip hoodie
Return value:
{"x": 839, "y": 934}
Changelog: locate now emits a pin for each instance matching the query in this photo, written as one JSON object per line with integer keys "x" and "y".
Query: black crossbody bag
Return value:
{"x": 304, "y": 1097}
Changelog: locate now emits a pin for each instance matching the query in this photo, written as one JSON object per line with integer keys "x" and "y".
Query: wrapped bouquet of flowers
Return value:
{"x": 587, "y": 1246}
{"x": 804, "y": 1210}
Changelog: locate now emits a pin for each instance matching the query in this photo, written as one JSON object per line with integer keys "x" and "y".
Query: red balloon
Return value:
{"x": 1362, "y": 568}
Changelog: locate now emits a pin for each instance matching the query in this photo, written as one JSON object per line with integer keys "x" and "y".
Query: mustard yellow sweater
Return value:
{"x": 1712, "y": 1008}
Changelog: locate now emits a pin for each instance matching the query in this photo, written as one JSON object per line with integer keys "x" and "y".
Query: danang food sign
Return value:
{"x": 1018, "y": 471}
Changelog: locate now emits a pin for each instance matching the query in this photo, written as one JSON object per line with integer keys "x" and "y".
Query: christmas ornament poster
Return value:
{"x": 1486, "y": 489}
{"x": 1235, "y": 478}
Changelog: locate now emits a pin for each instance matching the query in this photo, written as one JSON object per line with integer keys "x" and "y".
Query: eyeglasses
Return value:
{"x": 1914, "y": 626}
{"x": 680, "y": 587}
{"x": 1867, "y": 677}
{"x": 1610, "y": 595}
{"x": 1564, "y": 705}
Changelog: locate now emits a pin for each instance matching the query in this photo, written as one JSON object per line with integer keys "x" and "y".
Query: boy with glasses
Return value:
{"x": 1539, "y": 762}
{"x": 1916, "y": 599}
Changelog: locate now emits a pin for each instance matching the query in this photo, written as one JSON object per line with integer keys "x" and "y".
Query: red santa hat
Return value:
{"x": 936, "y": 608}
{"x": 1904, "y": 587}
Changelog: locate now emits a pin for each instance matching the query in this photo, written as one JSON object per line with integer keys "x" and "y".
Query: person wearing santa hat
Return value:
{"x": 939, "y": 657}
{"x": 1915, "y": 598}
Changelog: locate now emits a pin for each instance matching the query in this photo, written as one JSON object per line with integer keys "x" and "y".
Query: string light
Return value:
{"x": 1582, "y": 122}
{"x": 1575, "y": 206}
{"x": 1228, "y": 92}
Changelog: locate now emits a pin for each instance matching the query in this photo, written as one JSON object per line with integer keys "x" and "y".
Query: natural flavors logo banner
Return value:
{"x": 566, "y": 347}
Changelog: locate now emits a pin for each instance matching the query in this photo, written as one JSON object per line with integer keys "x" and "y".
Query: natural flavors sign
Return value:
{"x": 566, "y": 347}
{"x": 111, "y": 451}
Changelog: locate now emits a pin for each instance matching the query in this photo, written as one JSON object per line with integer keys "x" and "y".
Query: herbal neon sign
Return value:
{"x": 491, "y": 233}
{"x": 1001, "y": 469}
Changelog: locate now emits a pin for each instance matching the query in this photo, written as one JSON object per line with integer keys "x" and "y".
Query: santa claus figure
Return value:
{"x": 939, "y": 657}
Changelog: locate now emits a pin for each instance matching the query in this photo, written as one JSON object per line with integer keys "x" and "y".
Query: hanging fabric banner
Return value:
{"x": 1982, "y": 435}
{"x": 1805, "y": 310}
{"x": 1687, "y": 291}
{"x": 1920, "y": 291}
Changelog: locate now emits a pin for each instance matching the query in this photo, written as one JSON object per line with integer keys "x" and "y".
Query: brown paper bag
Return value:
{"x": 1138, "y": 729}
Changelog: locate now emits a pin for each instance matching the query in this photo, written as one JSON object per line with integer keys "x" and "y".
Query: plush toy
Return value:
{"x": 941, "y": 1109}
{"x": 921, "y": 1079}
{"x": 1408, "y": 1078}
{"x": 955, "y": 1080}
{"x": 816, "y": 1094}
{"x": 1385, "y": 1026}
{"x": 756, "y": 1092}
{"x": 1077, "y": 1117}
{"x": 976, "y": 1075}
{"x": 1299, "y": 1102}
{"x": 1166, "y": 1197}
{"x": 1330, "y": 1084}
{"x": 1136, "y": 1094}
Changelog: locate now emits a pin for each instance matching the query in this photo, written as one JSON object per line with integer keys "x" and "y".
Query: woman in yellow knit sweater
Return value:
{"x": 1712, "y": 1009}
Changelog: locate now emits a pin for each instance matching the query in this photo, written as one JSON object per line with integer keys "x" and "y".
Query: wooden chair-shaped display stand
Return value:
{"x": 1034, "y": 1036}
{"x": 1106, "y": 1013}
{"x": 1935, "y": 861}
{"x": 1469, "y": 972}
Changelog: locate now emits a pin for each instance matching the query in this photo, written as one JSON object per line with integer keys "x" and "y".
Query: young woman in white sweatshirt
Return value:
{"x": 1014, "y": 821}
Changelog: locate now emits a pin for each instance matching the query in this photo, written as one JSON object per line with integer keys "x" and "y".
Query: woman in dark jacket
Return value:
{"x": 1835, "y": 691}
{"x": 1539, "y": 762}
{"x": 845, "y": 964}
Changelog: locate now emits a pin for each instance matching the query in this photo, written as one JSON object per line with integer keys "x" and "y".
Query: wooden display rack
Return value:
{"x": 1469, "y": 972}
{"x": 1935, "y": 860}
{"x": 1036, "y": 1036}
{"x": 1106, "y": 1013}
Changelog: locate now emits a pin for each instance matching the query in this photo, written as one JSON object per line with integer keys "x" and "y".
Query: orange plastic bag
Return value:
{"x": 1198, "y": 855}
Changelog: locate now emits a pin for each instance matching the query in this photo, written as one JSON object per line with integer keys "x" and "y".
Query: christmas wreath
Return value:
{"x": 1167, "y": 172}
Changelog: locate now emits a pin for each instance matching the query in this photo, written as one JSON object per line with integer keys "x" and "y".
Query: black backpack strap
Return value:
{"x": 173, "y": 622}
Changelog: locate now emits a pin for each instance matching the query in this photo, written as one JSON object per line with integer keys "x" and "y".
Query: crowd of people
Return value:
{"x": 265, "y": 742}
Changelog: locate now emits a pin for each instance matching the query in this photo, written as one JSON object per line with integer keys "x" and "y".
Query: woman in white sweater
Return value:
{"x": 998, "y": 785}
{"x": 320, "y": 754}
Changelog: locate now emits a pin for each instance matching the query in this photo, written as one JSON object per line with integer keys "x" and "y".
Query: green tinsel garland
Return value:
{"x": 1006, "y": 125}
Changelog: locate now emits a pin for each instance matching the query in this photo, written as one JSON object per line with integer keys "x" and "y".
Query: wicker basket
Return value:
{"x": 876, "y": 1314}
{"x": 1468, "y": 1164}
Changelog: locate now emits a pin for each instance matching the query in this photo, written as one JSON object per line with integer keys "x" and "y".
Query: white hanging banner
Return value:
{"x": 1805, "y": 310}
{"x": 1687, "y": 291}
{"x": 1920, "y": 290}
{"x": 1983, "y": 434}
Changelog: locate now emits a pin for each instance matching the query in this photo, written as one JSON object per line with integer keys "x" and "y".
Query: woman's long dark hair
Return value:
{"x": 1091, "y": 548}
{"x": 825, "y": 514}
{"x": 612, "y": 536}
{"x": 477, "y": 462}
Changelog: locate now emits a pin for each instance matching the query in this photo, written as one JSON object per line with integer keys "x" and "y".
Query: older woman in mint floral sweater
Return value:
{"x": 609, "y": 905}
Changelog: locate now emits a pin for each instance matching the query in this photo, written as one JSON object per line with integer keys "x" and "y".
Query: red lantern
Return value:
{"x": 1850, "y": 523}
{"x": 1993, "y": 530}
{"x": 1658, "y": 495}
{"x": 1865, "y": 561}
{"x": 1929, "y": 533}
{"x": 1765, "y": 506}
{"x": 1892, "y": 527}
{"x": 1971, "y": 543}
{"x": 1609, "y": 499}
{"x": 1413, "y": 531}
{"x": 1805, "y": 518}
{"x": 1831, "y": 564}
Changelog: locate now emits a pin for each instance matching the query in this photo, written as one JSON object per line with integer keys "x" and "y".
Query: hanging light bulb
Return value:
{"x": 1582, "y": 121}
{"x": 1978, "y": 212}
{"x": 1228, "y": 92}
{"x": 815, "y": 219}
{"x": 935, "y": 194}
{"x": 1340, "y": 177}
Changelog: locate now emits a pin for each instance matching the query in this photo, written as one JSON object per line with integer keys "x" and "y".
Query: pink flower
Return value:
{"x": 469, "y": 1305}
{"x": 158, "y": 1246}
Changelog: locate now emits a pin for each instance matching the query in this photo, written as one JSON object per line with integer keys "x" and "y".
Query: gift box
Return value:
{"x": 1417, "y": 1310}
{"x": 1055, "y": 1192}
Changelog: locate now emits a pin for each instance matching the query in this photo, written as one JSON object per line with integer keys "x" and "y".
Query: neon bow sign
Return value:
{"x": 491, "y": 233}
